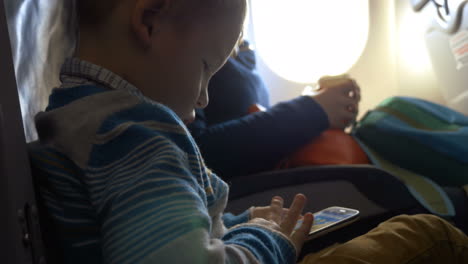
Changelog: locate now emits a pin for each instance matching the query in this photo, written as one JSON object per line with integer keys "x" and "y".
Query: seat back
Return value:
{"x": 20, "y": 239}
{"x": 52, "y": 246}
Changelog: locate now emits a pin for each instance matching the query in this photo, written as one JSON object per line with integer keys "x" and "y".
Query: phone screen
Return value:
{"x": 332, "y": 216}
{"x": 331, "y": 219}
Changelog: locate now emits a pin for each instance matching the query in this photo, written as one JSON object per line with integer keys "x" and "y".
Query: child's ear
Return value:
{"x": 146, "y": 18}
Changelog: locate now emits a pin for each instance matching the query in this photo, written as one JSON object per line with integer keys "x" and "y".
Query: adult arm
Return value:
{"x": 257, "y": 142}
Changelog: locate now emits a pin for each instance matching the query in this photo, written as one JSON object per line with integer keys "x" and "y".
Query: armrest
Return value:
{"x": 380, "y": 187}
{"x": 377, "y": 194}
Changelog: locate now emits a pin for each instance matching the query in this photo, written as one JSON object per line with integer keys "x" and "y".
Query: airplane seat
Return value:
{"x": 377, "y": 194}
{"x": 52, "y": 246}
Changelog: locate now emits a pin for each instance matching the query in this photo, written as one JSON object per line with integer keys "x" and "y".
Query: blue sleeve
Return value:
{"x": 257, "y": 142}
{"x": 231, "y": 220}
{"x": 254, "y": 238}
{"x": 153, "y": 201}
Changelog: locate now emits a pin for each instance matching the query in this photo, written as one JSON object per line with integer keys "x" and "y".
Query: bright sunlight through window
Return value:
{"x": 412, "y": 43}
{"x": 301, "y": 40}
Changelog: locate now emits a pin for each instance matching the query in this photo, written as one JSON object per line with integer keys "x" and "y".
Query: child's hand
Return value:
{"x": 285, "y": 220}
{"x": 339, "y": 97}
{"x": 265, "y": 211}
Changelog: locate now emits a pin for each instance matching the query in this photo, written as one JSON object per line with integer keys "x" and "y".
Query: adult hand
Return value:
{"x": 339, "y": 97}
{"x": 285, "y": 221}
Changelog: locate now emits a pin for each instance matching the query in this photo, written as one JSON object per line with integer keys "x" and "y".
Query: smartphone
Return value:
{"x": 330, "y": 219}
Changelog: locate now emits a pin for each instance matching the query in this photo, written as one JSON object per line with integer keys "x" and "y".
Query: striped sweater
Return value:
{"x": 125, "y": 183}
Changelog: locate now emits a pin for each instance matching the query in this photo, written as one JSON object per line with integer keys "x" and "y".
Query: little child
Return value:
{"x": 124, "y": 180}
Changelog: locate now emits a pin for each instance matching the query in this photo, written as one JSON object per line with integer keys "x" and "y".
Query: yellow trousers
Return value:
{"x": 419, "y": 239}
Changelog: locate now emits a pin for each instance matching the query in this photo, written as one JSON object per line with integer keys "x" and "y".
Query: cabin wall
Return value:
{"x": 415, "y": 75}
{"x": 384, "y": 69}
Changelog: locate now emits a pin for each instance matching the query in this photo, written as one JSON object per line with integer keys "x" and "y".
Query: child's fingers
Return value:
{"x": 276, "y": 213}
{"x": 306, "y": 224}
{"x": 300, "y": 235}
{"x": 294, "y": 213}
{"x": 284, "y": 213}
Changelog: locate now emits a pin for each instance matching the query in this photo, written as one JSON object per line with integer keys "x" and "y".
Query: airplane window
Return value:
{"x": 301, "y": 40}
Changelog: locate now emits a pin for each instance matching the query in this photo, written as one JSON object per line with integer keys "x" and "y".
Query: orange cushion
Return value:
{"x": 332, "y": 147}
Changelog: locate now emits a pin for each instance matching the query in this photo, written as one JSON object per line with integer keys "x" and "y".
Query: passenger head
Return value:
{"x": 92, "y": 13}
{"x": 169, "y": 49}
